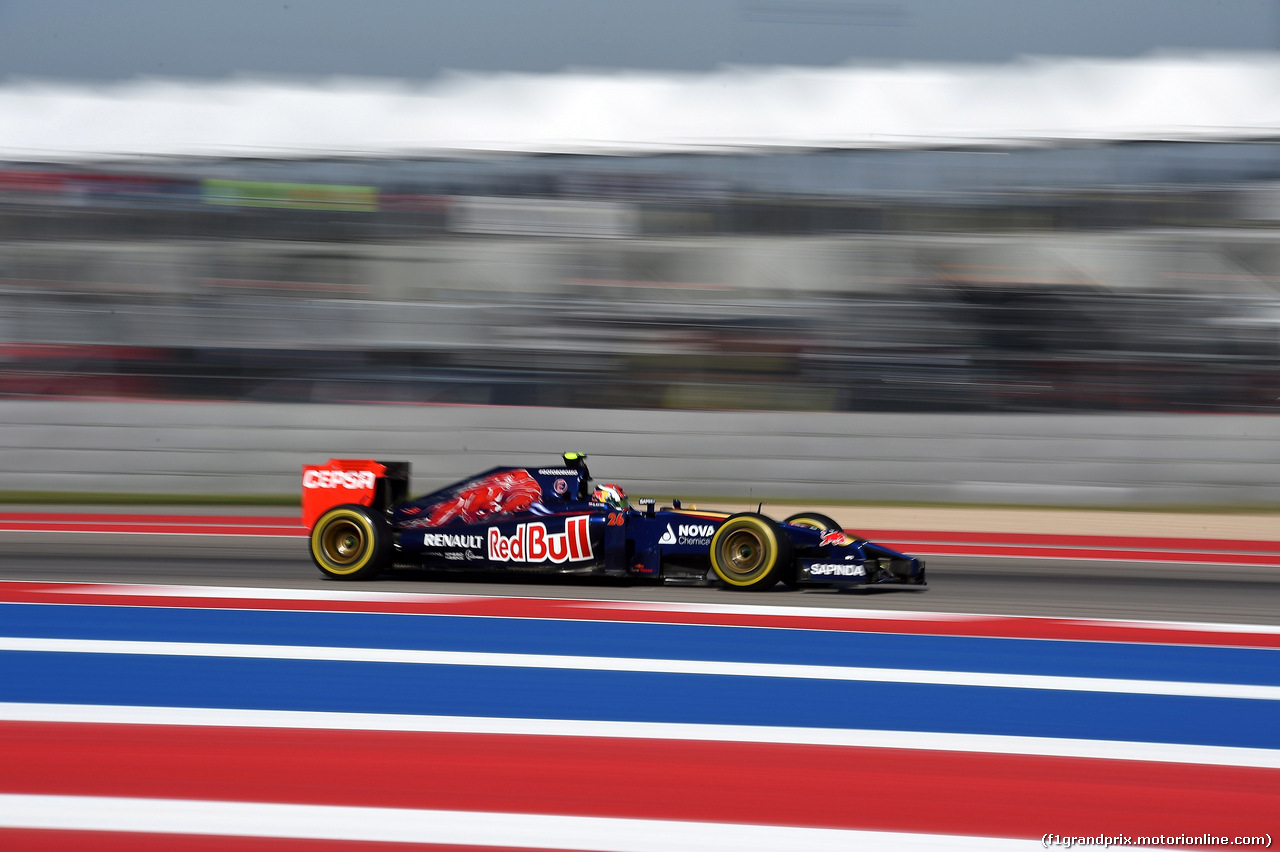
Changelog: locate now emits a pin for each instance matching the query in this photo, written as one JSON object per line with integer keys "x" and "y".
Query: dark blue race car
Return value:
{"x": 550, "y": 520}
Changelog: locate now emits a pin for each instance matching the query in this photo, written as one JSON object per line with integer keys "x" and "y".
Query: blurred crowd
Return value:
{"x": 1128, "y": 278}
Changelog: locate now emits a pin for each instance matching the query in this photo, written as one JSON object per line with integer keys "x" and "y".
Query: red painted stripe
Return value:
{"x": 816, "y": 786}
{"x": 144, "y": 518}
{"x": 937, "y": 624}
{"x": 1092, "y": 554}
{"x": 916, "y": 542}
{"x": 1053, "y": 540}
{"x": 150, "y": 528}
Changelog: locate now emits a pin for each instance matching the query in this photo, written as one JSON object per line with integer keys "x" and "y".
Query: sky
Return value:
{"x": 378, "y": 77}
{"x": 113, "y": 40}
{"x": 1026, "y": 102}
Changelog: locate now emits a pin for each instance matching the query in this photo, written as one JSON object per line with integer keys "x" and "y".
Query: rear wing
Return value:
{"x": 378, "y": 485}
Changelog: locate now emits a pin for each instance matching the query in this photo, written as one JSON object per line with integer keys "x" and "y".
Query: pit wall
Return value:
{"x": 259, "y": 449}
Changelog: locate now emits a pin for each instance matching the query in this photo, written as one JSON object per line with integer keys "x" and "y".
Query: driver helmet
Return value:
{"x": 611, "y": 495}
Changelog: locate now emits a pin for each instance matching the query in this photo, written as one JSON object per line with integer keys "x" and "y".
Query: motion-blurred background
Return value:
{"x": 782, "y": 205}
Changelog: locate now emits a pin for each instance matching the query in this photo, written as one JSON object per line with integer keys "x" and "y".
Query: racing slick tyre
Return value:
{"x": 814, "y": 521}
{"x": 350, "y": 543}
{"x": 750, "y": 552}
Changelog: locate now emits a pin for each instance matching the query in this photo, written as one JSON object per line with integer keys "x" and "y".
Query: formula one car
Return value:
{"x": 549, "y": 520}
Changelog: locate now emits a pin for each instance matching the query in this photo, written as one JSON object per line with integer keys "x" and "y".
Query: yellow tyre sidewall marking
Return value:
{"x": 317, "y": 535}
{"x": 766, "y": 534}
{"x": 815, "y": 524}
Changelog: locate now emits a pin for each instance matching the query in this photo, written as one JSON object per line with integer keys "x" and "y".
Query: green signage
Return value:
{"x": 293, "y": 196}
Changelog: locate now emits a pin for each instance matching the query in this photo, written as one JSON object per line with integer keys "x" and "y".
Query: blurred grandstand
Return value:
{"x": 1108, "y": 275}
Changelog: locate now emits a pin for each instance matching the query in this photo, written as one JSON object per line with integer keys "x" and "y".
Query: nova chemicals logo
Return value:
{"x": 695, "y": 533}
{"x": 688, "y": 534}
{"x": 532, "y": 543}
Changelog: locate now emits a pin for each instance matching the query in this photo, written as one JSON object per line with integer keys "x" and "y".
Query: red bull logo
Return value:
{"x": 532, "y": 543}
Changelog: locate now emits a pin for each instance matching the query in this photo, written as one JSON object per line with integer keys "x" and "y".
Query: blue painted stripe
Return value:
{"x": 666, "y": 641}
{"x": 630, "y": 696}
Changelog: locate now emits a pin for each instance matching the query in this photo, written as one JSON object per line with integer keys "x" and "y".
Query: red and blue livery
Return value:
{"x": 551, "y": 520}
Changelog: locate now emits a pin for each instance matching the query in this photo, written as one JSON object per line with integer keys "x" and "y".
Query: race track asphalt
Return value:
{"x": 1040, "y": 587}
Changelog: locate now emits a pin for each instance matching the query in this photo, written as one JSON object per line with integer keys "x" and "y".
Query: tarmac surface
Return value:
{"x": 973, "y": 584}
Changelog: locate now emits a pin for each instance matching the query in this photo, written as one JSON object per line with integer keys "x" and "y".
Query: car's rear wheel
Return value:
{"x": 750, "y": 553}
{"x": 350, "y": 543}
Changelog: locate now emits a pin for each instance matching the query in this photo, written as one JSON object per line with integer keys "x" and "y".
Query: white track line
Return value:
{"x": 398, "y": 825}
{"x": 844, "y": 737}
{"x": 641, "y": 665}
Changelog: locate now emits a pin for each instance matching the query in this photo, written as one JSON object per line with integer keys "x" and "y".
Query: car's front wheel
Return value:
{"x": 814, "y": 521}
{"x": 750, "y": 553}
{"x": 350, "y": 543}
